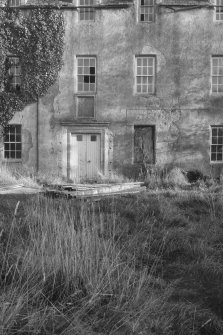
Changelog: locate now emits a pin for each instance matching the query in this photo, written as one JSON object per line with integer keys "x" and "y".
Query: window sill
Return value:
{"x": 213, "y": 94}
{"x": 145, "y": 95}
{"x": 85, "y": 94}
{"x": 86, "y": 21}
{"x": 11, "y": 160}
{"x": 215, "y": 163}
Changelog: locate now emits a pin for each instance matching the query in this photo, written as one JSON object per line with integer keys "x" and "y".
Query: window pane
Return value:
{"x": 92, "y": 79}
{"x": 92, "y": 62}
{"x": 18, "y": 147}
{"x": 92, "y": 87}
{"x": 80, "y": 62}
{"x": 139, "y": 61}
{"x": 86, "y": 88}
{"x": 214, "y": 80}
{"x": 220, "y": 89}
{"x": 86, "y": 62}
{"x": 220, "y": 140}
{"x": 215, "y": 71}
{"x": 92, "y": 70}
{"x": 80, "y": 70}
{"x": 214, "y": 140}
{"x": 220, "y": 131}
{"x": 93, "y": 138}
{"x": 86, "y": 79}
{"x": 215, "y": 61}
{"x": 144, "y": 61}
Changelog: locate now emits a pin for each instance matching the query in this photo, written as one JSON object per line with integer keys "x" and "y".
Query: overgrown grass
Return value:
{"x": 130, "y": 265}
{"x": 13, "y": 176}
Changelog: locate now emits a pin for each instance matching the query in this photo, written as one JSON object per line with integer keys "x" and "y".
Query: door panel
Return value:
{"x": 93, "y": 155}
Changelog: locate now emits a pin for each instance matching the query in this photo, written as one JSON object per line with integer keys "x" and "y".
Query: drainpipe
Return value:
{"x": 37, "y": 134}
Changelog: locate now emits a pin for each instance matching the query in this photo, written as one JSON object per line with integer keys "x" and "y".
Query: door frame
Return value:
{"x": 81, "y": 128}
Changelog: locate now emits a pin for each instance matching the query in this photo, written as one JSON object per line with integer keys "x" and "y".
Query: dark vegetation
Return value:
{"x": 146, "y": 264}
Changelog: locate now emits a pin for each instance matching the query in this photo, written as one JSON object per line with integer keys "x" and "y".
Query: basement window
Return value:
{"x": 217, "y": 74}
{"x": 86, "y": 74}
{"x": 219, "y": 10}
{"x": 13, "y": 142}
{"x": 86, "y": 13}
{"x": 146, "y": 10}
{"x": 217, "y": 144}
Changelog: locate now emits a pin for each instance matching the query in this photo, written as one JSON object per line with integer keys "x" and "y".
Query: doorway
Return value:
{"x": 85, "y": 156}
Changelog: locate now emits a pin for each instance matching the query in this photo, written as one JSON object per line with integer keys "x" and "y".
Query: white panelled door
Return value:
{"x": 85, "y": 156}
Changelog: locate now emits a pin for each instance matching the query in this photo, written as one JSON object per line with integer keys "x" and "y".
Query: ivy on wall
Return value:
{"x": 36, "y": 37}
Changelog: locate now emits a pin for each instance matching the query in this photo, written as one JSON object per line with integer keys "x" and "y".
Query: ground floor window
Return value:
{"x": 13, "y": 142}
{"x": 217, "y": 144}
{"x": 144, "y": 145}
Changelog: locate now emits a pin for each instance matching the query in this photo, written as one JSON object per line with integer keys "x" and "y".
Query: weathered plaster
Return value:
{"x": 182, "y": 110}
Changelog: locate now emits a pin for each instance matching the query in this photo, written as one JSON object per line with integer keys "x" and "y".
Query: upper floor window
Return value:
{"x": 219, "y": 10}
{"x": 145, "y": 74}
{"x": 87, "y": 13}
{"x": 13, "y": 142}
{"x": 14, "y": 72}
{"x": 217, "y": 74}
{"x": 86, "y": 74}
{"x": 146, "y": 10}
{"x": 217, "y": 144}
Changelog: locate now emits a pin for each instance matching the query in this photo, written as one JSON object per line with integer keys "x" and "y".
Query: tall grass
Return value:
{"x": 136, "y": 265}
{"x": 13, "y": 176}
{"x": 65, "y": 255}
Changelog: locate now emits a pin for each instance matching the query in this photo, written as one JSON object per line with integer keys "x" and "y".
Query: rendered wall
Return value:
{"x": 183, "y": 109}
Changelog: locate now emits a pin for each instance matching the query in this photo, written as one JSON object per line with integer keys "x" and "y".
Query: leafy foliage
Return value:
{"x": 36, "y": 36}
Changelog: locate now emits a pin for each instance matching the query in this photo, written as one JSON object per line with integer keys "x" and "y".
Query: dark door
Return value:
{"x": 144, "y": 145}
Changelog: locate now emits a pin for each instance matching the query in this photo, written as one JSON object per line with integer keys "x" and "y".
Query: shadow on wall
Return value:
{"x": 27, "y": 145}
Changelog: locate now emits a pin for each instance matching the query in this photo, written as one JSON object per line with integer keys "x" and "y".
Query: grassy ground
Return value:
{"x": 143, "y": 264}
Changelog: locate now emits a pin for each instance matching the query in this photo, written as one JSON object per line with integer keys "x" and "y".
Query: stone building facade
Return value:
{"x": 141, "y": 84}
